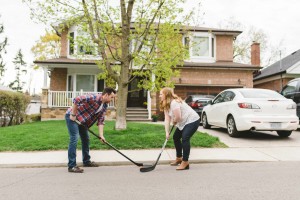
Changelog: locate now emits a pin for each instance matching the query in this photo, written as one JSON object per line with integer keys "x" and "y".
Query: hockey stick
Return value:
{"x": 152, "y": 167}
{"x": 138, "y": 164}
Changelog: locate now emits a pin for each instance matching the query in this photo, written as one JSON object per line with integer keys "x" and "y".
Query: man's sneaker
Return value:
{"x": 75, "y": 170}
{"x": 91, "y": 164}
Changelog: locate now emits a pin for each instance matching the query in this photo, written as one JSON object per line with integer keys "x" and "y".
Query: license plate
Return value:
{"x": 275, "y": 125}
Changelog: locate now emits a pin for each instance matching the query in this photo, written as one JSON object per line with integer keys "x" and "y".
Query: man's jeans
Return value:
{"x": 75, "y": 131}
{"x": 185, "y": 135}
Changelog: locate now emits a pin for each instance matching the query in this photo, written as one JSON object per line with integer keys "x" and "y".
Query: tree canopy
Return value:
{"x": 132, "y": 38}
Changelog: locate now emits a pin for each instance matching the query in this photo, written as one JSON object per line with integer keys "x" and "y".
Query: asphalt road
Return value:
{"x": 254, "y": 139}
{"x": 232, "y": 181}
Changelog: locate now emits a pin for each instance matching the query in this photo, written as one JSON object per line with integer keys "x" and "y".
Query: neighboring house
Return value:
{"x": 277, "y": 75}
{"x": 34, "y": 107}
{"x": 209, "y": 70}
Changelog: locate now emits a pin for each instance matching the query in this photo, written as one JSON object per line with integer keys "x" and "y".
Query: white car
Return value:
{"x": 251, "y": 109}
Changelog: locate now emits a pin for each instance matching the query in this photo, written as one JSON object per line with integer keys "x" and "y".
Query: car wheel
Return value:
{"x": 205, "y": 122}
{"x": 231, "y": 127}
{"x": 284, "y": 133}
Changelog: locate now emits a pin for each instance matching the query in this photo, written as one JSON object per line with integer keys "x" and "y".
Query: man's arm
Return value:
{"x": 101, "y": 132}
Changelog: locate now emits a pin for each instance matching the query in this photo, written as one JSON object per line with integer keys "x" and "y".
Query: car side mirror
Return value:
{"x": 210, "y": 102}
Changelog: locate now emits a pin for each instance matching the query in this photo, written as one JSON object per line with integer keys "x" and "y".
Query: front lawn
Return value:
{"x": 53, "y": 135}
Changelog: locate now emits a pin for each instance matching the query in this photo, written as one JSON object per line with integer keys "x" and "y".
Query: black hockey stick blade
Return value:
{"x": 148, "y": 168}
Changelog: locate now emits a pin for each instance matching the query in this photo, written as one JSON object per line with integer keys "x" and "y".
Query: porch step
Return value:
{"x": 137, "y": 114}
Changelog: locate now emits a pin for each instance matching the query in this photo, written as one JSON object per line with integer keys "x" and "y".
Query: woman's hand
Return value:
{"x": 167, "y": 136}
{"x": 102, "y": 139}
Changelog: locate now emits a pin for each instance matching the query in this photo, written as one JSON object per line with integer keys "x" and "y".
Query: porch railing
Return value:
{"x": 65, "y": 98}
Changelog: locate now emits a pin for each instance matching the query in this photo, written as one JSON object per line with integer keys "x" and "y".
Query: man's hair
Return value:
{"x": 109, "y": 90}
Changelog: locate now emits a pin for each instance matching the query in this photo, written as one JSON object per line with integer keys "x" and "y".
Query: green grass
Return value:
{"x": 53, "y": 135}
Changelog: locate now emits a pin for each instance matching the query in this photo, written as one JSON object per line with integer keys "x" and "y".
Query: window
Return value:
{"x": 71, "y": 43}
{"x": 201, "y": 46}
{"x": 100, "y": 84}
{"x": 220, "y": 98}
{"x": 229, "y": 96}
{"x": 80, "y": 43}
{"x": 290, "y": 88}
{"x": 85, "y": 83}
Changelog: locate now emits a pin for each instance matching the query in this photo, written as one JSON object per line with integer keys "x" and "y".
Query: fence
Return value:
{"x": 65, "y": 98}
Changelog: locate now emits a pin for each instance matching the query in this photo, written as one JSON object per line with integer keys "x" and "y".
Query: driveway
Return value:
{"x": 254, "y": 139}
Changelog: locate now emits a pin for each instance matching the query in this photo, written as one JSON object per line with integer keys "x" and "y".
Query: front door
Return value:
{"x": 136, "y": 97}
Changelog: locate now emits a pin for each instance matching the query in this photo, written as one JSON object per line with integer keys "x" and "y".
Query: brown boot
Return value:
{"x": 184, "y": 165}
{"x": 176, "y": 162}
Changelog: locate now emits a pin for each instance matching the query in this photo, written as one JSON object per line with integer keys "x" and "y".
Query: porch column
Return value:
{"x": 45, "y": 69}
{"x": 149, "y": 104}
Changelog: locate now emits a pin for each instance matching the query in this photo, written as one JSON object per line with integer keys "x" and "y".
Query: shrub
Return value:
{"x": 12, "y": 107}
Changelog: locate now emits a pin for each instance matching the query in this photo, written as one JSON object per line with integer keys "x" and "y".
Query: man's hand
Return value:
{"x": 73, "y": 118}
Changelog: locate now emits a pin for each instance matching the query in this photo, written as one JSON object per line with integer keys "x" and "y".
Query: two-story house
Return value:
{"x": 209, "y": 70}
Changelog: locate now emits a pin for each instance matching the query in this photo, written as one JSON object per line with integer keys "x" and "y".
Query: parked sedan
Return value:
{"x": 251, "y": 109}
{"x": 197, "y": 102}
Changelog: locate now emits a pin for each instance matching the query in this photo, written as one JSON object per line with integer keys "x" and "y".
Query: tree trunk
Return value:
{"x": 122, "y": 98}
{"x": 121, "y": 108}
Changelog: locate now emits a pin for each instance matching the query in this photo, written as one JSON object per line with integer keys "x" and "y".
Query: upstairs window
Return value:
{"x": 201, "y": 47}
{"x": 80, "y": 43}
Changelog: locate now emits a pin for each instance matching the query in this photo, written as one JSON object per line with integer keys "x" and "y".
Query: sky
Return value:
{"x": 279, "y": 19}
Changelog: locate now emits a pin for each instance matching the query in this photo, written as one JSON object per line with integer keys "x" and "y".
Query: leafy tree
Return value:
{"x": 47, "y": 47}
{"x": 242, "y": 45}
{"x": 20, "y": 67}
{"x": 3, "y": 43}
{"x": 134, "y": 39}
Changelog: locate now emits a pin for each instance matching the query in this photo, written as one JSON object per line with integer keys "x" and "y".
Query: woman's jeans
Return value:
{"x": 75, "y": 131}
{"x": 182, "y": 139}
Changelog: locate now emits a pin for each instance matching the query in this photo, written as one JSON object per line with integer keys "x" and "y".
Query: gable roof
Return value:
{"x": 280, "y": 66}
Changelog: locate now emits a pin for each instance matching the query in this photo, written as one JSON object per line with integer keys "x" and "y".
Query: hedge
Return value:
{"x": 12, "y": 107}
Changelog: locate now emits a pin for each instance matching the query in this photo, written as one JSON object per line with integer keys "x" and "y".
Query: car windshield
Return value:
{"x": 265, "y": 94}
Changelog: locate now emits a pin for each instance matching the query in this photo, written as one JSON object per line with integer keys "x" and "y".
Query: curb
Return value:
{"x": 122, "y": 163}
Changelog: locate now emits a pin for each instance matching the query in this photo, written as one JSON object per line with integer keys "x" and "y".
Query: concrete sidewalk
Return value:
{"x": 111, "y": 157}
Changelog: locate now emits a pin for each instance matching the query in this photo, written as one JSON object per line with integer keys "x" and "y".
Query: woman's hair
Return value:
{"x": 169, "y": 95}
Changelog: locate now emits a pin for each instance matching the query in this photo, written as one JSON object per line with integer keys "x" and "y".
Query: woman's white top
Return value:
{"x": 188, "y": 115}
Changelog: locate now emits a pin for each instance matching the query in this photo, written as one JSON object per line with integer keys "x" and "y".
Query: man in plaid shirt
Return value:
{"x": 87, "y": 109}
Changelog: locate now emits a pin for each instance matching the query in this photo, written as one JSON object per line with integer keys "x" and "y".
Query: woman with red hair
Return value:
{"x": 185, "y": 119}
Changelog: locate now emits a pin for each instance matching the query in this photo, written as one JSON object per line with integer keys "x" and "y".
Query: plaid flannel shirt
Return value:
{"x": 87, "y": 106}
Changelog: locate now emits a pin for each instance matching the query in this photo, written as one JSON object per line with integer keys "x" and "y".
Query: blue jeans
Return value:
{"x": 182, "y": 139}
{"x": 75, "y": 131}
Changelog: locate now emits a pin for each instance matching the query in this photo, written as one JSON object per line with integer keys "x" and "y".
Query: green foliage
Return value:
{"x": 33, "y": 118}
{"x": 3, "y": 43}
{"x": 12, "y": 107}
{"x": 53, "y": 135}
{"x": 47, "y": 47}
{"x": 20, "y": 67}
{"x": 135, "y": 39}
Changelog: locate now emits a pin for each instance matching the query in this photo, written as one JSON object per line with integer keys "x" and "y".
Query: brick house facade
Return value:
{"x": 210, "y": 75}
